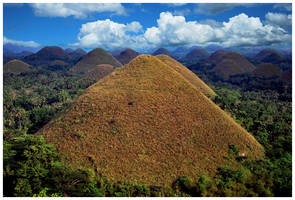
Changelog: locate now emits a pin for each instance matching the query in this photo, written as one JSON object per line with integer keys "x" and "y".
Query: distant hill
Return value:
{"x": 127, "y": 55}
{"x": 187, "y": 74}
{"x": 273, "y": 56}
{"x": 230, "y": 63}
{"x": 98, "y": 73}
{"x": 9, "y": 55}
{"x": 196, "y": 54}
{"x": 286, "y": 76}
{"x": 267, "y": 70}
{"x": 77, "y": 54}
{"x": 149, "y": 124}
{"x": 163, "y": 51}
{"x": 69, "y": 50}
{"x": 16, "y": 67}
{"x": 116, "y": 52}
{"x": 46, "y": 55}
{"x": 92, "y": 59}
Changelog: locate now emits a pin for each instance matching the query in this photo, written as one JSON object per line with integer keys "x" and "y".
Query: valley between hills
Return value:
{"x": 187, "y": 122}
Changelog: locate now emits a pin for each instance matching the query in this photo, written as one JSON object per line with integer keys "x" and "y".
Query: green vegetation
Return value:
{"x": 33, "y": 168}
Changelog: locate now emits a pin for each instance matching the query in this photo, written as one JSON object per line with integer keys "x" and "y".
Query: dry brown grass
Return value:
{"x": 147, "y": 123}
{"x": 98, "y": 72}
{"x": 16, "y": 67}
{"x": 187, "y": 74}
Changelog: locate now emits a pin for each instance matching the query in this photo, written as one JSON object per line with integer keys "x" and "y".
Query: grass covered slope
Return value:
{"x": 98, "y": 72}
{"x": 16, "y": 67}
{"x": 187, "y": 74}
{"x": 147, "y": 123}
{"x": 92, "y": 59}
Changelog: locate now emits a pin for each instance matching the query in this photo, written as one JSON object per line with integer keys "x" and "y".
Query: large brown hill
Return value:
{"x": 267, "y": 69}
{"x": 147, "y": 123}
{"x": 230, "y": 63}
{"x": 16, "y": 67}
{"x": 163, "y": 51}
{"x": 46, "y": 55}
{"x": 92, "y": 59}
{"x": 127, "y": 55}
{"x": 189, "y": 75}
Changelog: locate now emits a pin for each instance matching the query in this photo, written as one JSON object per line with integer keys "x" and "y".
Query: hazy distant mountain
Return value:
{"x": 127, "y": 55}
{"x": 9, "y": 55}
{"x": 116, "y": 52}
{"x": 196, "y": 54}
{"x": 69, "y": 50}
{"x": 77, "y": 54}
{"x": 163, "y": 51}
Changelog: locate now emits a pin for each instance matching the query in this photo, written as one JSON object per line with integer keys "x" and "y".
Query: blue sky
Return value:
{"x": 147, "y": 26}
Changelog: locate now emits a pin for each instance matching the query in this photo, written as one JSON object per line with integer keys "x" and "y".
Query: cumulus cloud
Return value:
{"x": 279, "y": 19}
{"x": 215, "y": 8}
{"x": 182, "y": 12}
{"x": 171, "y": 30}
{"x": 75, "y": 9}
{"x": 283, "y": 6}
{"x": 21, "y": 43}
{"x": 108, "y": 34}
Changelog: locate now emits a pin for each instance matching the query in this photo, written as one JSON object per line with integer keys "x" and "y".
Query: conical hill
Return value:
{"x": 147, "y": 123}
{"x": 92, "y": 59}
{"x": 16, "y": 67}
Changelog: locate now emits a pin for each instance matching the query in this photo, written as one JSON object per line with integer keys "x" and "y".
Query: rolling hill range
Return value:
{"x": 57, "y": 65}
{"x": 98, "y": 73}
{"x": 127, "y": 55}
{"x": 92, "y": 59}
{"x": 287, "y": 76}
{"x": 230, "y": 63}
{"x": 189, "y": 75}
{"x": 267, "y": 70}
{"x": 46, "y": 55}
{"x": 16, "y": 67}
{"x": 147, "y": 122}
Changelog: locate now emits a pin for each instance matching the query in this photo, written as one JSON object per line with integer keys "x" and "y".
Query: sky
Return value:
{"x": 146, "y": 26}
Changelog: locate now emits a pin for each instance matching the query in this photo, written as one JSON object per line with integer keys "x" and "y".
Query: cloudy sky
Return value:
{"x": 147, "y": 26}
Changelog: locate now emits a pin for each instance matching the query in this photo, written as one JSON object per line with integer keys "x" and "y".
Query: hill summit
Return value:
{"x": 147, "y": 122}
{"x": 16, "y": 67}
{"x": 92, "y": 59}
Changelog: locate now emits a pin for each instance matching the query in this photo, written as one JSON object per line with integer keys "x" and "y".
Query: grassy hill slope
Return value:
{"x": 147, "y": 123}
{"x": 16, "y": 67}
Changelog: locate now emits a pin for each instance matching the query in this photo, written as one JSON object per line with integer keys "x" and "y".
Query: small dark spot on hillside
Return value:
{"x": 130, "y": 103}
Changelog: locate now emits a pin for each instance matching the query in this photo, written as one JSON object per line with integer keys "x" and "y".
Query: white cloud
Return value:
{"x": 176, "y": 4}
{"x": 108, "y": 34}
{"x": 240, "y": 30}
{"x": 182, "y": 12}
{"x": 283, "y": 6}
{"x": 279, "y": 19}
{"x": 78, "y": 10}
{"x": 21, "y": 43}
{"x": 215, "y": 8}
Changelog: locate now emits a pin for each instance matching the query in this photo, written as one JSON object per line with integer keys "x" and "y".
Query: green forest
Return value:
{"x": 33, "y": 168}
